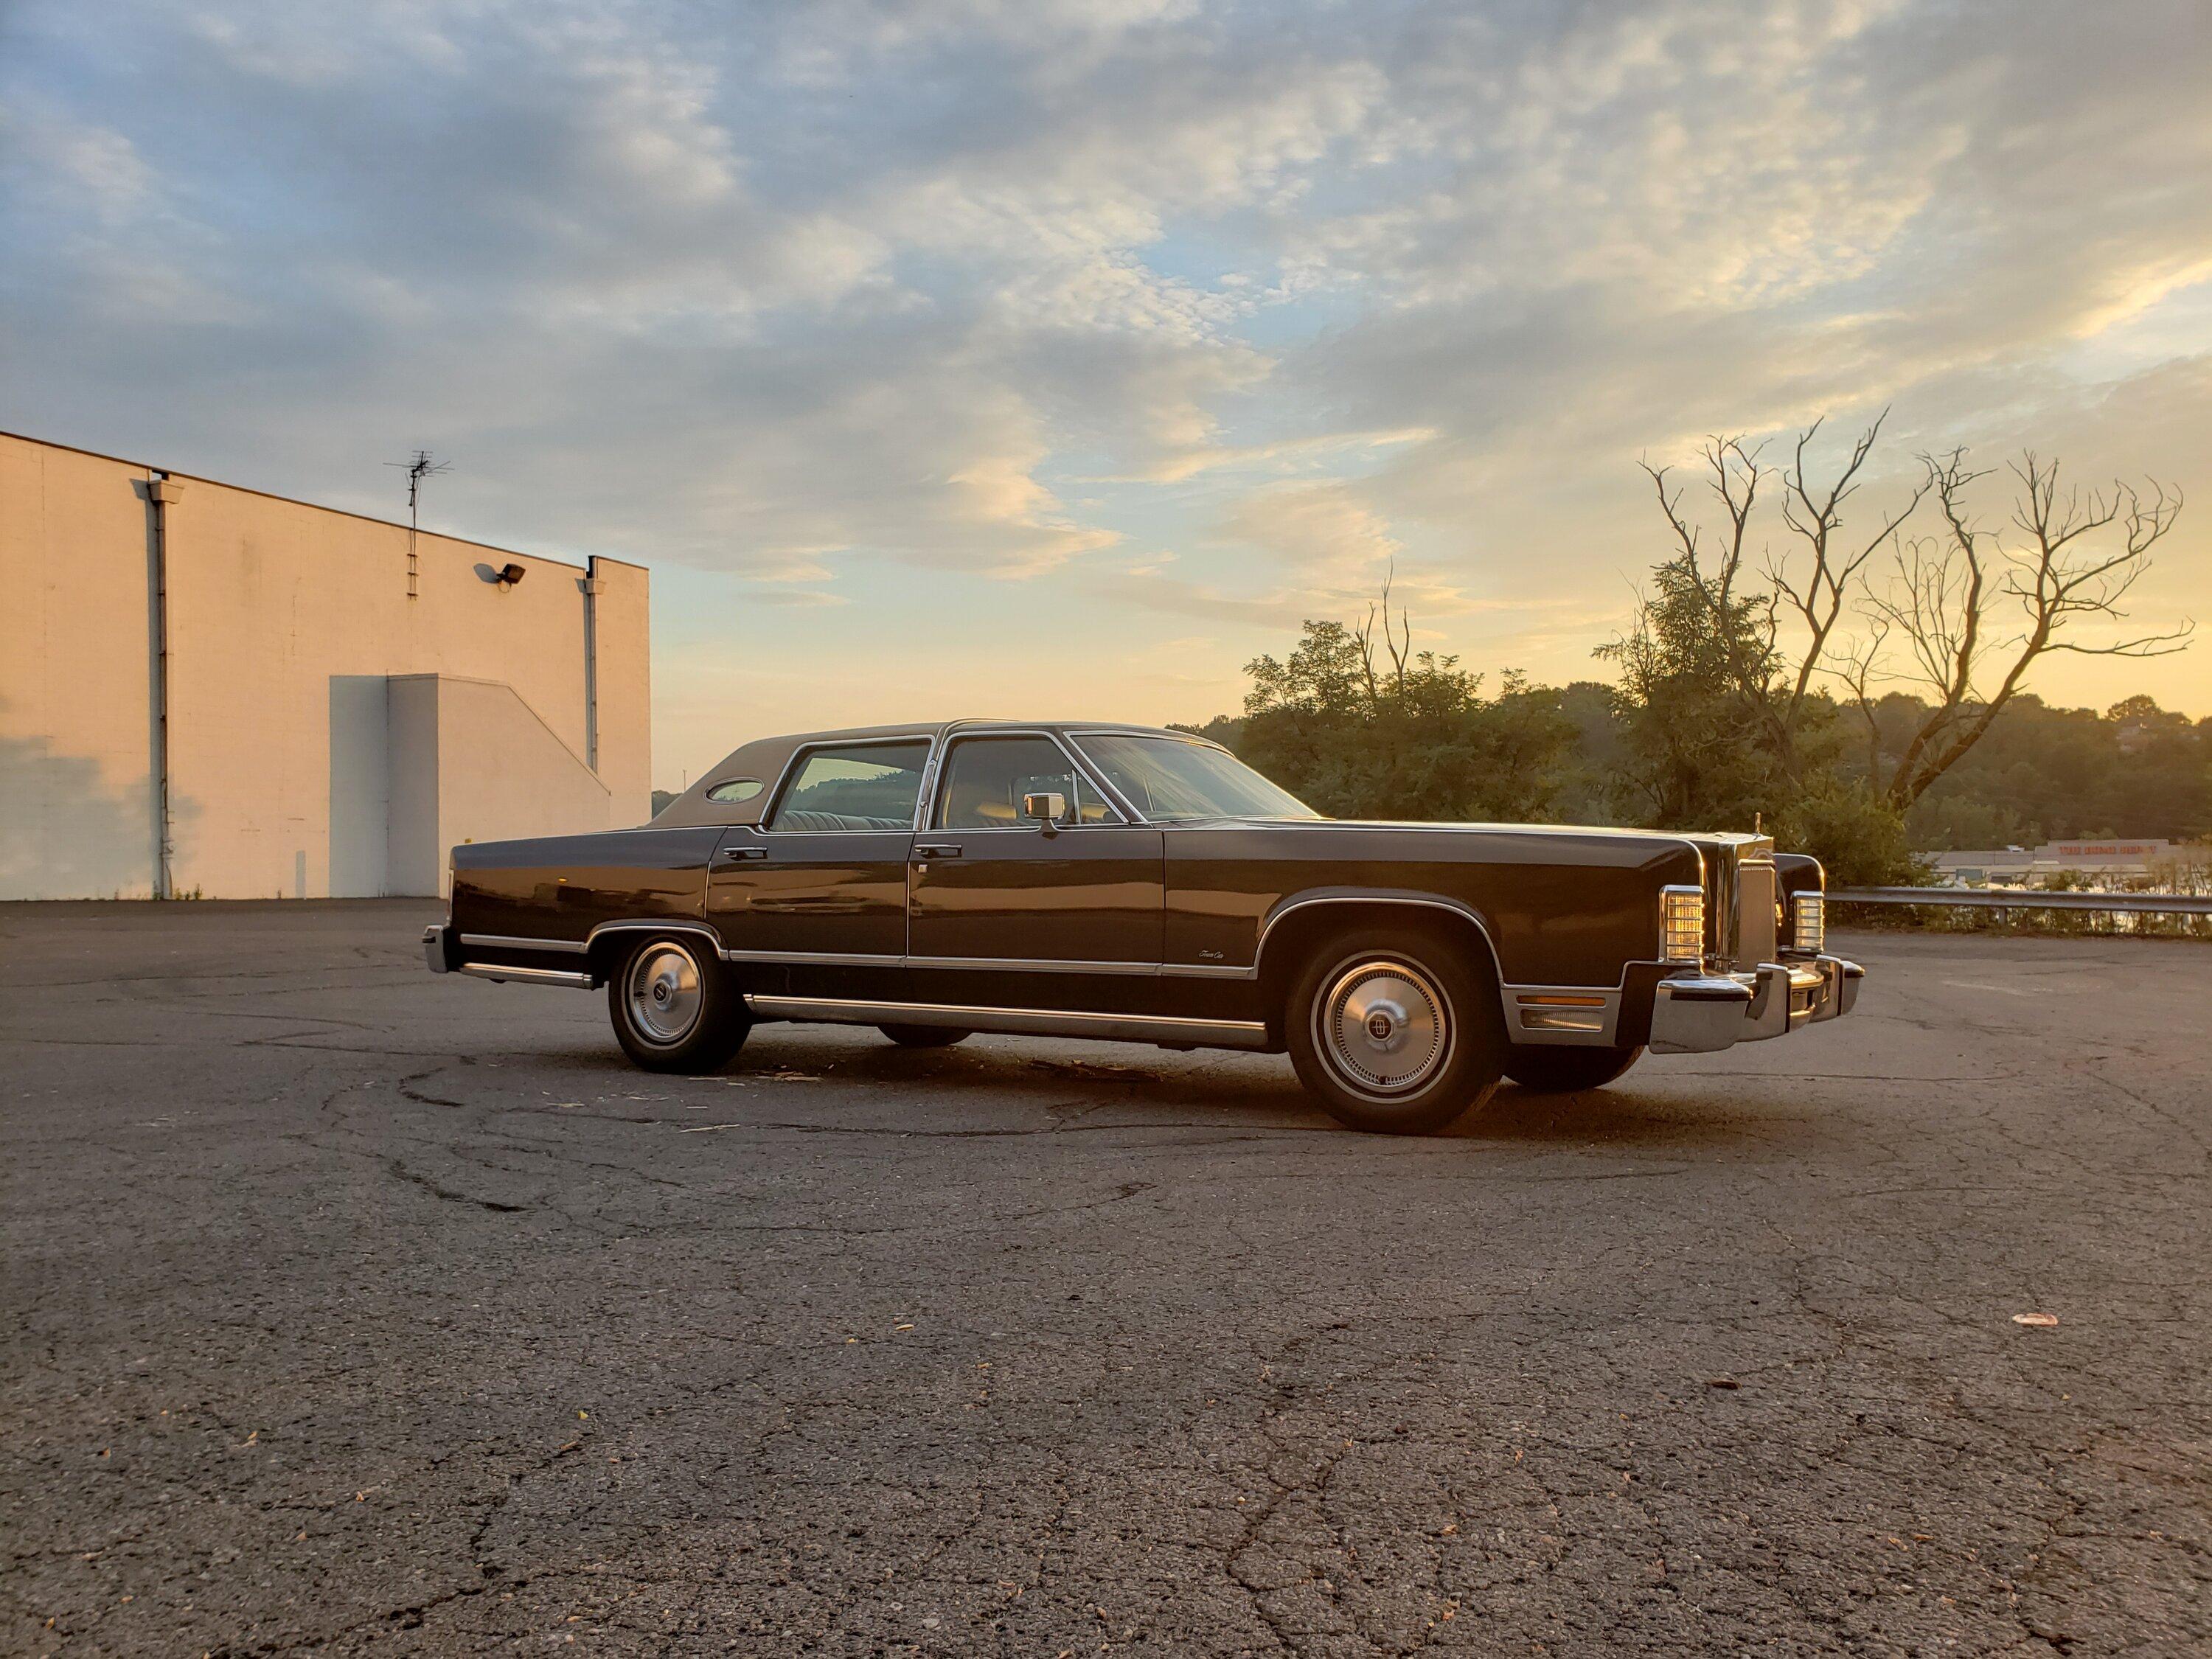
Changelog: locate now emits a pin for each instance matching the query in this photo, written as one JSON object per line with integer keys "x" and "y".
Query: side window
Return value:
{"x": 862, "y": 786}
{"x": 985, "y": 779}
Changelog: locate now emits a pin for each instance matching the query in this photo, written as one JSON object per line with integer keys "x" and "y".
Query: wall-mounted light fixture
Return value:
{"x": 511, "y": 573}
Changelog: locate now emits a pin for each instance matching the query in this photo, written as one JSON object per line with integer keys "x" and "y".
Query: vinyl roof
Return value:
{"x": 765, "y": 758}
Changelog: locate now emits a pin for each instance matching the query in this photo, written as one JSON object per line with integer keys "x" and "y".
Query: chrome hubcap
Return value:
{"x": 1383, "y": 1026}
{"x": 664, "y": 993}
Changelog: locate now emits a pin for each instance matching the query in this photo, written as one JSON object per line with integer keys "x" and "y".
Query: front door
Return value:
{"x": 1006, "y": 911}
{"x": 822, "y": 884}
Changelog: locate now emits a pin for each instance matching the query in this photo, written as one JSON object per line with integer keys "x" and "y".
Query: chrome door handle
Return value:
{"x": 937, "y": 850}
{"x": 739, "y": 854}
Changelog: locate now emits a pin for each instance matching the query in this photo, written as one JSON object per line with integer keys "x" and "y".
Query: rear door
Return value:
{"x": 1001, "y": 908}
{"x": 820, "y": 882}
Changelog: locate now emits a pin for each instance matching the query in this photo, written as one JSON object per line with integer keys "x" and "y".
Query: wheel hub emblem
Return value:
{"x": 660, "y": 994}
{"x": 1384, "y": 1027}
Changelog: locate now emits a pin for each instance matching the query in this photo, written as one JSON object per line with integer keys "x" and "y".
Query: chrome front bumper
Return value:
{"x": 433, "y": 950}
{"x": 1699, "y": 1013}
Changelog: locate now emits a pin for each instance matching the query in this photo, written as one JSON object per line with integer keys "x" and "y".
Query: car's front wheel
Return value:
{"x": 1561, "y": 1070}
{"x": 676, "y": 1007}
{"x": 1394, "y": 1031}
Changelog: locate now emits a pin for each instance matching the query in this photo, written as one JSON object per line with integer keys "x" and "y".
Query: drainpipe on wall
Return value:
{"x": 162, "y": 490}
{"x": 590, "y": 586}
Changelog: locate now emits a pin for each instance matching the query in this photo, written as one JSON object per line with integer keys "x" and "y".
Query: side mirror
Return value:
{"x": 1047, "y": 808}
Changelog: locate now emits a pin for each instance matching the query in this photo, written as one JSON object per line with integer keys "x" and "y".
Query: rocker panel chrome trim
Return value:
{"x": 1018, "y": 1022}
{"x": 981, "y": 964}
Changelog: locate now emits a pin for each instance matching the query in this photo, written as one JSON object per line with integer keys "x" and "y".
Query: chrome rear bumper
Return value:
{"x": 1700, "y": 1013}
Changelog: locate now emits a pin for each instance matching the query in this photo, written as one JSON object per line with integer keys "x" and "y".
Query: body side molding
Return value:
{"x": 511, "y": 942}
{"x": 529, "y": 975}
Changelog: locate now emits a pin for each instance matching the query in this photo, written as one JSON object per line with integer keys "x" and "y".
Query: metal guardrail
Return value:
{"x": 2023, "y": 899}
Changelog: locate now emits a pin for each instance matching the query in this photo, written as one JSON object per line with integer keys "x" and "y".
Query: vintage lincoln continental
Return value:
{"x": 1093, "y": 880}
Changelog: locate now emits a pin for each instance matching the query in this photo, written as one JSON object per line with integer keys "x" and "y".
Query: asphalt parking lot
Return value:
{"x": 351, "y": 1309}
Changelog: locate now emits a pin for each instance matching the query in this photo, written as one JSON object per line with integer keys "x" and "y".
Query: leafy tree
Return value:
{"x": 1855, "y": 831}
{"x": 1400, "y": 733}
{"x": 1716, "y": 734}
{"x": 1699, "y": 674}
{"x": 2043, "y": 773}
{"x": 1587, "y": 791}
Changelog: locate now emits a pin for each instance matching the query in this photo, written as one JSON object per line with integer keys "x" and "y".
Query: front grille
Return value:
{"x": 1739, "y": 875}
{"x": 1720, "y": 905}
{"x": 1757, "y": 917}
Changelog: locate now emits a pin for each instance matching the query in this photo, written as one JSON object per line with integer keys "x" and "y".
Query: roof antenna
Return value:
{"x": 421, "y": 465}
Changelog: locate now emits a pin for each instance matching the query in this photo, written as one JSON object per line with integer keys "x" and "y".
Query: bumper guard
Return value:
{"x": 1702, "y": 1013}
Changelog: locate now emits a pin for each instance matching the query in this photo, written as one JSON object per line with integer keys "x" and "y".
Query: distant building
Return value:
{"x": 2010, "y": 866}
{"x": 207, "y": 691}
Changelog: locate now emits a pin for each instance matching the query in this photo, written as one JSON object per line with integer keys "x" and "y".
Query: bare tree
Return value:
{"x": 1735, "y": 475}
{"x": 1821, "y": 590}
{"x": 1950, "y": 592}
{"x": 1968, "y": 609}
{"x": 1398, "y": 642}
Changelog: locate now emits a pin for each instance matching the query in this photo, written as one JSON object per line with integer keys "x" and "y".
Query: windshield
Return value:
{"x": 1166, "y": 780}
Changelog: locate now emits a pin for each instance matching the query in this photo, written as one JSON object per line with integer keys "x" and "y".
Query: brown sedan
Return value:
{"x": 1086, "y": 879}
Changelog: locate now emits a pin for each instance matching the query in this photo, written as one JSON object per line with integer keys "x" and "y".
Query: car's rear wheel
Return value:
{"x": 1394, "y": 1030}
{"x": 1557, "y": 1069}
{"x": 924, "y": 1036}
{"x": 676, "y": 1007}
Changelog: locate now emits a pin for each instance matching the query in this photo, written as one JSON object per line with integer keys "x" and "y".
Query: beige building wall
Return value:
{"x": 288, "y": 626}
{"x": 76, "y": 813}
{"x": 624, "y": 632}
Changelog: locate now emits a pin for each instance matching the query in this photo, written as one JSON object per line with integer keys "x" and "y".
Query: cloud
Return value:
{"x": 1040, "y": 293}
{"x": 69, "y": 167}
{"x": 1324, "y": 526}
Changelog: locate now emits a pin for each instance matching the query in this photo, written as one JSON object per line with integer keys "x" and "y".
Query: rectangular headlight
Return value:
{"x": 1808, "y": 923}
{"x": 1682, "y": 924}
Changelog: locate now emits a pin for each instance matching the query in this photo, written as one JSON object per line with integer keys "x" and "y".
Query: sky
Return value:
{"x": 1054, "y": 357}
